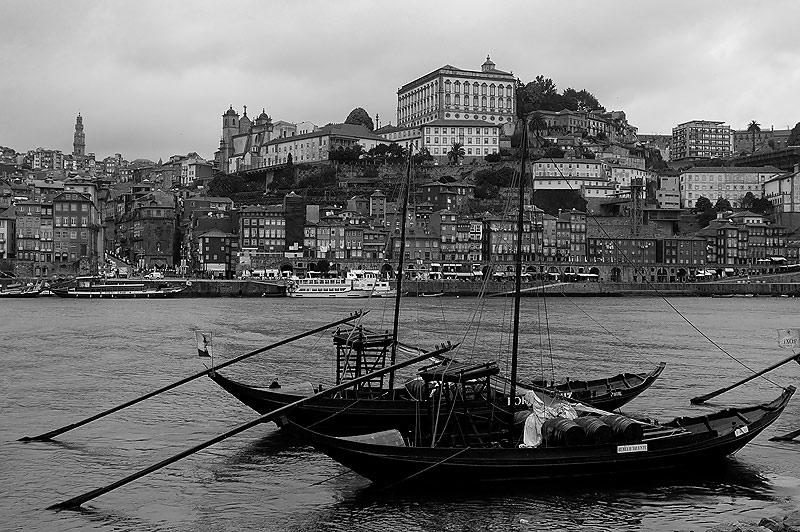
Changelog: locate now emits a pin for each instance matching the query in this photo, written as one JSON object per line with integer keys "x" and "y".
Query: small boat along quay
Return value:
{"x": 780, "y": 285}
{"x": 787, "y": 285}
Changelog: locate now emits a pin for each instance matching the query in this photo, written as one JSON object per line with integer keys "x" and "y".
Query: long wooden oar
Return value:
{"x": 703, "y": 398}
{"x": 787, "y": 437}
{"x": 48, "y": 435}
{"x": 80, "y": 499}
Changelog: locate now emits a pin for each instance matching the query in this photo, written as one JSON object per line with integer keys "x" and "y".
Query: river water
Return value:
{"x": 64, "y": 360}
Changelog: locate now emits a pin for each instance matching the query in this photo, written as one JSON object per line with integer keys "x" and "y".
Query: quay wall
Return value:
{"x": 452, "y": 288}
{"x": 223, "y": 288}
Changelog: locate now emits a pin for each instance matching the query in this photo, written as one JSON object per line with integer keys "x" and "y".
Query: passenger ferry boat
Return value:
{"x": 357, "y": 283}
{"x": 99, "y": 287}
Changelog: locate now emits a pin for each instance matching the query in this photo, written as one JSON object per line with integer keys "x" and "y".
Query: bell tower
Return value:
{"x": 79, "y": 139}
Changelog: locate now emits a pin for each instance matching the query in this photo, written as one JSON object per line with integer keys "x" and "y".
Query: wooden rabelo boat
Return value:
{"x": 374, "y": 407}
{"x": 544, "y": 437}
{"x": 391, "y": 456}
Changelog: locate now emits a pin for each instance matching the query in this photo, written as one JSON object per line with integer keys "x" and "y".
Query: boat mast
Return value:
{"x": 518, "y": 278}
{"x": 405, "y": 191}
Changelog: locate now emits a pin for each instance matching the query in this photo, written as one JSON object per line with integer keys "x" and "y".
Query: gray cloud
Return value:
{"x": 152, "y": 78}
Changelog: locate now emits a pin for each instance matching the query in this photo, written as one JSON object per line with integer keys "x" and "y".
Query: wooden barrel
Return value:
{"x": 562, "y": 432}
{"x": 624, "y": 429}
{"x": 596, "y": 430}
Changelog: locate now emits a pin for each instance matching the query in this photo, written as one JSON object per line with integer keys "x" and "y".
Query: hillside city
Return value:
{"x": 282, "y": 197}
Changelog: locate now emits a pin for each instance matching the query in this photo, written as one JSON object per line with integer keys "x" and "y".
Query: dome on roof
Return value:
{"x": 263, "y": 115}
{"x": 231, "y": 112}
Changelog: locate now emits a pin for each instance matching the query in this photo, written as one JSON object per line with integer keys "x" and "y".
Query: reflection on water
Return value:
{"x": 64, "y": 360}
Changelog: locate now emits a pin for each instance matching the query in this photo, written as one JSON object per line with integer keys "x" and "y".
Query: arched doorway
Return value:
{"x": 616, "y": 275}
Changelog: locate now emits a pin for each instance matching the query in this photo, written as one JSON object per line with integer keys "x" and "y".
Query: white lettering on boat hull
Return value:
{"x": 637, "y": 448}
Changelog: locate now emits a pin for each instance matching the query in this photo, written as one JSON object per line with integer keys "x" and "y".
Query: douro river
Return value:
{"x": 64, "y": 360}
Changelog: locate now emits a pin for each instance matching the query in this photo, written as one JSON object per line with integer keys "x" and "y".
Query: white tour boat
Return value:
{"x": 357, "y": 283}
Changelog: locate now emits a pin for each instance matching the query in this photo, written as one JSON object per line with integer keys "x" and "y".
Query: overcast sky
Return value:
{"x": 152, "y": 78}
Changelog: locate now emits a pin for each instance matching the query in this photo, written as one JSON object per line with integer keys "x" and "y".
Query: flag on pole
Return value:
{"x": 789, "y": 338}
{"x": 204, "y": 343}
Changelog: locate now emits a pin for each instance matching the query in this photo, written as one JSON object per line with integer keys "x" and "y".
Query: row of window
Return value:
{"x": 469, "y": 151}
{"x": 460, "y": 131}
{"x": 263, "y": 221}
{"x": 69, "y": 221}
{"x": 509, "y": 90}
{"x": 501, "y": 103}
{"x": 733, "y": 178}
{"x": 263, "y": 242}
{"x": 58, "y": 206}
{"x": 264, "y": 233}
{"x": 449, "y": 140}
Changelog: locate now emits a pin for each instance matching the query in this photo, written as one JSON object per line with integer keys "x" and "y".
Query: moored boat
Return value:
{"x": 356, "y": 284}
{"x": 610, "y": 393}
{"x": 389, "y": 457}
{"x": 99, "y": 287}
{"x": 359, "y": 410}
{"x": 19, "y": 290}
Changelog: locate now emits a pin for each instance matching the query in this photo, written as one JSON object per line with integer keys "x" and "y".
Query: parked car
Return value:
{"x": 154, "y": 275}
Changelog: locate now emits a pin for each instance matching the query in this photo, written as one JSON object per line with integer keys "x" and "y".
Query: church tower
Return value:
{"x": 230, "y": 128}
{"x": 244, "y": 123}
{"x": 79, "y": 139}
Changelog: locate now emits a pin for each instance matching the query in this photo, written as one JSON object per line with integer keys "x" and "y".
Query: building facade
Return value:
{"x": 448, "y": 93}
{"x": 701, "y": 139}
{"x": 783, "y": 191}
{"x": 730, "y": 183}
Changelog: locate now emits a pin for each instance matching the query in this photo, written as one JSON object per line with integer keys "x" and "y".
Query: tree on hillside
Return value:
{"x": 722, "y": 205}
{"x": 224, "y": 185}
{"x": 360, "y": 117}
{"x": 456, "y": 153}
{"x": 537, "y": 125}
{"x": 554, "y": 152}
{"x": 761, "y": 206}
{"x": 747, "y": 201}
{"x": 794, "y": 136}
{"x": 350, "y": 154}
{"x": 542, "y": 94}
{"x": 423, "y": 157}
{"x": 703, "y": 204}
{"x": 387, "y": 153}
{"x": 581, "y": 100}
{"x": 754, "y": 127}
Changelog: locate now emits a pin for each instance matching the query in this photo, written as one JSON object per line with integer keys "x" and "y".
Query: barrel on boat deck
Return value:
{"x": 624, "y": 429}
{"x": 562, "y": 431}
{"x": 596, "y": 430}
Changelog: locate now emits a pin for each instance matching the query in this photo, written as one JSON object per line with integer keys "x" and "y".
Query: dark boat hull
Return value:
{"x": 706, "y": 439}
{"x": 611, "y": 393}
{"x": 341, "y": 416}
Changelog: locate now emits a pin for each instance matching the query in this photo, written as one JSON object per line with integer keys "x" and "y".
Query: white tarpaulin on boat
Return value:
{"x": 541, "y": 412}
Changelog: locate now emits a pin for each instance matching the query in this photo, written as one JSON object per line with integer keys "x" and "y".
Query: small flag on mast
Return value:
{"x": 789, "y": 338}
{"x": 204, "y": 343}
